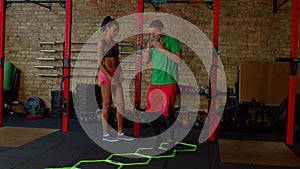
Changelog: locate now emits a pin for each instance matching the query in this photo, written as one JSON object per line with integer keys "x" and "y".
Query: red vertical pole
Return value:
{"x": 2, "y": 39}
{"x": 213, "y": 73}
{"x": 139, "y": 38}
{"x": 292, "y": 85}
{"x": 66, "y": 66}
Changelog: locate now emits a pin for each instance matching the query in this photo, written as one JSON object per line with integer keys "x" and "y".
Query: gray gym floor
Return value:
{"x": 65, "y": 149}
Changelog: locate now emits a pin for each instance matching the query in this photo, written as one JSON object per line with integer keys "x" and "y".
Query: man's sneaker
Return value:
{"x": 171, "y": 144}
{"x": 109, "y": 138}
{"x": 124, "y": 137}
{"x": 157, "y": 142}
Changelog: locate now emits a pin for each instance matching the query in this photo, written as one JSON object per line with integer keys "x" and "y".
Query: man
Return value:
{"x": 165, "y": 53}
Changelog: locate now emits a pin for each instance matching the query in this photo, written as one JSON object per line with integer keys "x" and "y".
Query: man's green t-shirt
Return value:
{"x": 165, "y": 70}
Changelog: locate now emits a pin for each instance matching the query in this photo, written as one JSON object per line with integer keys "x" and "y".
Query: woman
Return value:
{"x": 110, "y": 78}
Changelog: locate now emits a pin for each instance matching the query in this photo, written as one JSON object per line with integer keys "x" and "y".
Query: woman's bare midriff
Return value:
{"x": 111, "y": 62}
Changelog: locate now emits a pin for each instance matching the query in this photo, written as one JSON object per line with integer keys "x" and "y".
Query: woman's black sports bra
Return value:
{"x": 112, "y": 52}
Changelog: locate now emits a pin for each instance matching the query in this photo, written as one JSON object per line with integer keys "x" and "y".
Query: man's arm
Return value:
{"x": 147, "y": 56}
{"x": 176, "y": 57}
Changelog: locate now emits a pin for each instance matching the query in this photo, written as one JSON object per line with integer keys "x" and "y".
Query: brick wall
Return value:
{"x": 248, "y": 29}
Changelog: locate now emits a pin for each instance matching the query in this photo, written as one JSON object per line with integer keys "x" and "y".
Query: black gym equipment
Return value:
{"x": 57, "y": 104}
{"x": 279, "y": 124}
{"x": 87, "y": 102}
{"x": 34, "y": 108}
{"x": 11, "y": 86}
{"x": 232, "y": 116}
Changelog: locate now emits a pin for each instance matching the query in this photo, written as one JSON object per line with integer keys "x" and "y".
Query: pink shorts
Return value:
{"x": 161, "y": 98}
{"x": 102, "y": 79}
